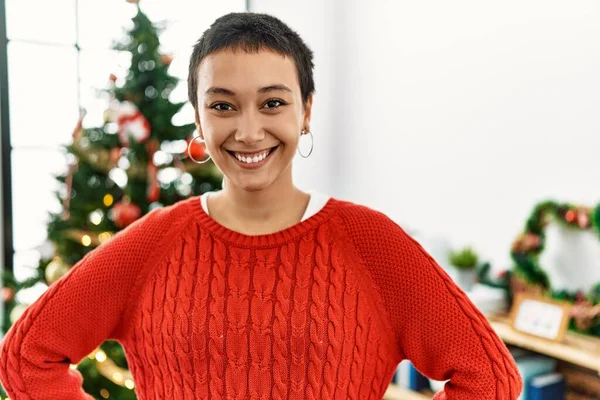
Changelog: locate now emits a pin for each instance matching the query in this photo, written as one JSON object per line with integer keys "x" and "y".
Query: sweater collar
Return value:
{"x": 265, "y": 240}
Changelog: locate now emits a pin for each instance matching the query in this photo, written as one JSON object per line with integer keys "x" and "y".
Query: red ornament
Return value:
{"x": 130, "y": 122}
{"x": 570, "y": 216}
{"x": 583, "y": 219}
{"x": 125, "y": 212}
{"x": 8, "y": 294}
{"x": 197, "y": 150}
{"x": 153, "y": 192}
{"x": 114, "y": 155}
{"x": 166, "y": 59}
{"x": 112, "y": 78}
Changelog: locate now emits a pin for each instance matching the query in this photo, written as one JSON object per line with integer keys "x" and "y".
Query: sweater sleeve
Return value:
{"x": 436, "y": 325}
{"x": 75, "y": 315}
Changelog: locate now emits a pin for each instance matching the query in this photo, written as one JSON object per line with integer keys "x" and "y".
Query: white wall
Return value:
{"x": 469, "y": 112}
{"x": 455, "y": 118}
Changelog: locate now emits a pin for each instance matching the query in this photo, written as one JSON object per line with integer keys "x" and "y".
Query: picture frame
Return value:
{"x": 540, "y": 317}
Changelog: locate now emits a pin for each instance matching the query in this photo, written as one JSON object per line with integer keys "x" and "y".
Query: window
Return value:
{"x": 58, "y": 56}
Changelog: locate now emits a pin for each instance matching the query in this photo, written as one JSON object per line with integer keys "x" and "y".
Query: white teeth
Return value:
{"x": 254, "y": 159}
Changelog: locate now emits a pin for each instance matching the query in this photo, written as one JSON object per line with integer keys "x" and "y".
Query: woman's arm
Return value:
{"x": 436, "y": 326}
{"x": 446, "y": 336}
{"x": 75, "y": 315}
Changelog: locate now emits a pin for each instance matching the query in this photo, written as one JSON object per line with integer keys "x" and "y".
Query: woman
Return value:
{"x": 259, "y": 290}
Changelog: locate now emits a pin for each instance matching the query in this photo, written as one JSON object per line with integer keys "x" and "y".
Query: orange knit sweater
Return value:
{"x": 325, "y": 309}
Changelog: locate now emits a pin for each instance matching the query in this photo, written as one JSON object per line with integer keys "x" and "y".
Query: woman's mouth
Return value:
{"x": 252, "y": 160}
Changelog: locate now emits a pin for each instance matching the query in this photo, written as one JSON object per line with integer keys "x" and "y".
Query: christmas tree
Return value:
{"x": 137, "y": 161}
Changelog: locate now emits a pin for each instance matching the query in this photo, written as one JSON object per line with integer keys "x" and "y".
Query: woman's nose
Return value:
{"x": 250, "y": 129}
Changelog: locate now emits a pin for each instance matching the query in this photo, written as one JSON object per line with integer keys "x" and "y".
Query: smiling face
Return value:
{"x": 250, "y": 114}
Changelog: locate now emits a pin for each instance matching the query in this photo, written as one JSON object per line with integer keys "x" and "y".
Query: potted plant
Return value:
{"x": 465, "y": 261}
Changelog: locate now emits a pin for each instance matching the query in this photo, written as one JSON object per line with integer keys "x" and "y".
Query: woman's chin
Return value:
{"x": 251, "y": 184}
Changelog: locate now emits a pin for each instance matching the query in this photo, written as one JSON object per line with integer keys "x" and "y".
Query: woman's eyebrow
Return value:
{"x": 219, "y": 90}
{"x": 271, "y": 88}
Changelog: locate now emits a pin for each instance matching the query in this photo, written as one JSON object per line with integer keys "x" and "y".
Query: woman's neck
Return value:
{"x": 258, "y": 212}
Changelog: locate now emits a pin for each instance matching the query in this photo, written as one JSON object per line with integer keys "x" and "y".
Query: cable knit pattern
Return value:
{"x": 436, "y": 325}
{"x": 325, "y": 309}
{"x": 216, "y": 324}
{"x": 299, "y": 319}
{"x": 281, "y": 329}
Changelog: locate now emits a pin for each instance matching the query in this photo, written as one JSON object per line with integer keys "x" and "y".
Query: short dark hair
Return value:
{"x": 252, "y": 32}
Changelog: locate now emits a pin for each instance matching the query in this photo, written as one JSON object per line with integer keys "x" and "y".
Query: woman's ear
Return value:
{"x": 307, "y": 112}
{"x": 197, "y": 121}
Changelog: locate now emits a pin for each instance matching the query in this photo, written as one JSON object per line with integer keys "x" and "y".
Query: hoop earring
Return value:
{"x": 190, "y": 152}
{"x": 312, "y": 142}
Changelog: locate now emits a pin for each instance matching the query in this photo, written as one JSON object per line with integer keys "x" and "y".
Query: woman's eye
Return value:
{"x": 274, "y": 103}
{"x": 221, "y": 107}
